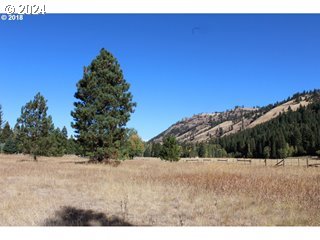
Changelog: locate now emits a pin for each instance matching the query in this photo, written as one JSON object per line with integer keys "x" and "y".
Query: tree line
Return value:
{"x": 34, "y": 133}
{"x": 187, "y": 150}
{"x": 100, "y": 114}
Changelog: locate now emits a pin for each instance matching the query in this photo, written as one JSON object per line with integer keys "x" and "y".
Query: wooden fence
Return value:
{"x": 302, "y": 161}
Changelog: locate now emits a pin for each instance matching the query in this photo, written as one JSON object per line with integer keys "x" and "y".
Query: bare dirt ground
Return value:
{"x": 144, "y": 192}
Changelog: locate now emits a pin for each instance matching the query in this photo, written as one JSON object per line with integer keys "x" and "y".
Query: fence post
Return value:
{"x": 265, "y": 162}
{"x": 307, "y": 162}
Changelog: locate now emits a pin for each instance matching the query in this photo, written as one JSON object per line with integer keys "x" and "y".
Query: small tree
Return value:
{"x": 6, "y": 133}
{"x": 71, "y": 146}
{"x": 282, "y": 153}
{"x": 10, "y": 146}
{"x": 170, "y": 149}
{"x": 34, "y": 127}
{"x": 64, "y": 132}
{"x": 202, "y": 152}
{"x": 286, "y": 151}
{"x": 266, "y": 152}
{"x": 58, "y": 143}
{"x": 147, "y": 152}
{"x": 135, "y": 144}
{"x": 249, "y": 152}
{"x": 156, "y": 149}
{"x": 103, "y": 108}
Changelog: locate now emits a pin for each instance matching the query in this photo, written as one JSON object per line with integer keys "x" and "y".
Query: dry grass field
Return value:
{"x": 144, "y": 192}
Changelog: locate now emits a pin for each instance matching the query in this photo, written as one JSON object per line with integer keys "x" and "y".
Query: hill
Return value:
{"x": 207, "y": 126}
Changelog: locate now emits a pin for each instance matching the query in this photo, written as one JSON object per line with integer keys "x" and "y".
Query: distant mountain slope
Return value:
{"x": 274, "y": 112}
{"x": 206, "y": 126}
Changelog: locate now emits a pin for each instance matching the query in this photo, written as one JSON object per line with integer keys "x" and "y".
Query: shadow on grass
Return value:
{"x": 70, "y": 216}
{"x": 74, "y": 162}
{"x": 25, "y": 160}
{"x": 112, "y": 163}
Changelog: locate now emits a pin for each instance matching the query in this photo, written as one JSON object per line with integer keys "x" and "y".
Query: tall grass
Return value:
{"x": 152, "y": 192}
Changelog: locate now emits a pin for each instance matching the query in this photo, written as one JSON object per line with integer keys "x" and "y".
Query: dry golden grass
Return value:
{"x": 56, "y": 191}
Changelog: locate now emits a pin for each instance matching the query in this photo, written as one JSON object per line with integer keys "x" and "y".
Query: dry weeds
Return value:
{"x": 56, "y": 191}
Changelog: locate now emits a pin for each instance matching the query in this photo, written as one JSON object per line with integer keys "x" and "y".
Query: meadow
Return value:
{"x": 149, "y": 192}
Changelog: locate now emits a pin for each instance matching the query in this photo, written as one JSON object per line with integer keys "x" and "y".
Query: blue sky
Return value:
{"x": 177, "y": 65}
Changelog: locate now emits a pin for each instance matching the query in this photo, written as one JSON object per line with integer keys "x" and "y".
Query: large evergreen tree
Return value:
{"x": 103, "y": 108}
{"x": 34, "y": 127}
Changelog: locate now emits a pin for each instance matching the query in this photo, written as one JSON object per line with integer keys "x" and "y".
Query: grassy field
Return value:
{"x": 143, "y": 192}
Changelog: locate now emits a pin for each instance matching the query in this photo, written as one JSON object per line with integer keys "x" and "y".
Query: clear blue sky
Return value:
{"x": 177, "y": 65}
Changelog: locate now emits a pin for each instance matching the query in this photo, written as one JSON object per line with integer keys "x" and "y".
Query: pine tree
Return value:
{"x": 103, "y": 108}
{"x": 72, "y": 147}
{"x": 10, "y": 146}
{"x": 64, "y": 132}
{"x": 202, "y": 151}
{"x": 296, "y": 137}
{"x": 6, "y": 133}
{"x": 170, "y": 149}
{"x": 34, "y": 127}
{"x": 58, "y": 143}
{"x": 193, "y": 151}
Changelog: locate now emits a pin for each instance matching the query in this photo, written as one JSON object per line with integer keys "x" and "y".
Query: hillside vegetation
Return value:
{"x": 287, "y": 128}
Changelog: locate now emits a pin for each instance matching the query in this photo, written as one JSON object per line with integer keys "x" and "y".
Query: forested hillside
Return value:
{"x": 283, "y": 129}
{"x": 291, "y": 134}
{"x": 206, "y": 126}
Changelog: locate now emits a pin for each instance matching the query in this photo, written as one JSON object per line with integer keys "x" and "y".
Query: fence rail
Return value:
{"x": 302, "y": 161}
